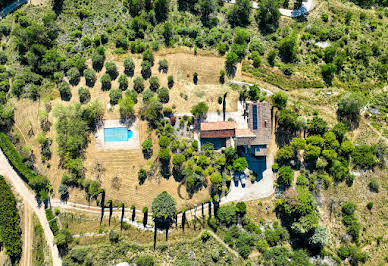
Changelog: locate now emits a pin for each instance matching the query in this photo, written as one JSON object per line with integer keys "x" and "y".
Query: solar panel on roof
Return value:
{"x": 254, "y": 117}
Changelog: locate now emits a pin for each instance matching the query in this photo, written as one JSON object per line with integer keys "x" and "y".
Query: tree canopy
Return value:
{"x": 163, "y": 206}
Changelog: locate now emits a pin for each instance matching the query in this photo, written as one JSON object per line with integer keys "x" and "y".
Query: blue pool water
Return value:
{"x": 117, "y": 134}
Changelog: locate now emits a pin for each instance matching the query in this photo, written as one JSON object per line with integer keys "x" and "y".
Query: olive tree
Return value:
{"x": 126, "y": 107}
{"x": 123, "y": 82}
{"x": 349, "y": 105}
{"x": 138, "y": 84}
{"x": 129, "y": 66}
{"x": 105, "y": 82}
{"x": 90, "y": 77}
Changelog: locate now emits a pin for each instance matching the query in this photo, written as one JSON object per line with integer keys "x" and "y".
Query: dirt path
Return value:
{"x": 27, "y": 236}
{"x": 29, "y": 199}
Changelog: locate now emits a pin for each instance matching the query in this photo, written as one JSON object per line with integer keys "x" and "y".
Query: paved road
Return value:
{"x": 29, "y": 199}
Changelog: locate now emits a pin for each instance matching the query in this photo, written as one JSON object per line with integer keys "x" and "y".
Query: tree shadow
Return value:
{"x": 282, "y": 137}
{"x": 90, "y": 83}
{"x": 129, "y": 73}
{"x": 57, "y": 6}
{"x": 177, "y": 174}
{"x": 352, "y": 122}
{"x": 165, "y": 170}
{"x": 66, "y": 96}
{"x": 230, "y": 70}
{"x": 147, "y": 154}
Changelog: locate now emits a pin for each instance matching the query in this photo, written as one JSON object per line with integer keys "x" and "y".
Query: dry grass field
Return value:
{"x": 120, "y": 175}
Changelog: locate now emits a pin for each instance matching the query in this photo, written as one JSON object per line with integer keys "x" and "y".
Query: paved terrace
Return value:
{"x": 132, "y": 144}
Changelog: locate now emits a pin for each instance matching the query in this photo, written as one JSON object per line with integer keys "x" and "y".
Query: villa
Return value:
{"x": 252, "y": 133}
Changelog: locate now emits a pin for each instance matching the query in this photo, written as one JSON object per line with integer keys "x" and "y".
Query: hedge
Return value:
{"x": 35, "y": 181}
{"x": 53, "y": 223}
{"x": 10, "y": 232}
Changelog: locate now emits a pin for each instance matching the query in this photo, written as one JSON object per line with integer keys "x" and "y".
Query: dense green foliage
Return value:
{"x": 163, "y": 206}
{"x": 10, "y": 232}
{"x": 35, "y": 181}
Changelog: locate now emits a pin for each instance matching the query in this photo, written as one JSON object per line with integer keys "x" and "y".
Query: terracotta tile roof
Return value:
{"x": 210, "y": 126}
{"x": 211, "y": 134}
{"x": 244, "y": 133}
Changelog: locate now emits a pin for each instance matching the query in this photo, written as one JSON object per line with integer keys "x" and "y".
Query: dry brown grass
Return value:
{"x": 256, "y": 209}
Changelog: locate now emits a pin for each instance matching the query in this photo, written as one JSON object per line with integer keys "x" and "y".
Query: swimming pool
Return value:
{"x": 117, "y": 134}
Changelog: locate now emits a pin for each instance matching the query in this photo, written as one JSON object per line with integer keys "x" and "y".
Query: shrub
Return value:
{"x": 328, "y": 71}
{"x": 114, "y": 236}
{"x": 240, "y": 164}
{"x": 163, "y": 65}
{"x": 178, "y": 159}
{"x": 90, "y": 77}
{"x": 111, "y": 69}
{"x": 271, "y": 57}
{"x": 227, "y": 214}
{"x": 84, "y": 95}
{"x": 147, "y": 145}
{"x": 170, "y": 81}
{"x": 318, "y": 126}
{"x": 284, "y": 155}
{"x": 205, "y": 236}
{"x": 64, "y": 90}
{"x": 275, "y": 236}
{"x": 286, "y": 176}
{"x": 129, "y": 66}
{"x": 132, "y": 94}
{"x": 163, "y": 94}
{"x": 145, "y": 260}
{"x": 126, "y": 107}
{"x": 123, "y": 82}
{"x": 374, "y": 185}
{"x": 213, "y": 223}
{"x": 369, "y": 205}
{"x": 288, "y": 48}
{"x": 348, "y": 208}
{"x": 142, "y": 175}
{"x": 244, "y": 244}
{"x": 138, "y": 84}
{"x": 154, "y": 83}
{"x": 350, "y": 104}
{"x": 146, "y": 69}
{"x": 164, "y": 141}
{"x": 364, "y": 156}
{"x": 73, "y": 75}
{"x": 105, "y": 82}
{"x": 262, "y": 245}
{"x": 147, "y": 95}
{"x": 148, "y": 56}
{"x": 115, "y": 95}
{"x": 343, "y": 252}
{"x": 98, "y": 61}
{"x": 164, "y": 155}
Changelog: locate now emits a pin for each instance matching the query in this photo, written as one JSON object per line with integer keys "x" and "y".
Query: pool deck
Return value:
{"x": 132, "y": 144}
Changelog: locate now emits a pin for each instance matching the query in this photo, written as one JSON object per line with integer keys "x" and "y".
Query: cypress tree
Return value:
{"x": 110, "y": 210}
{"x": 102, "y": 206}
{"x": 122, "y": 216}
